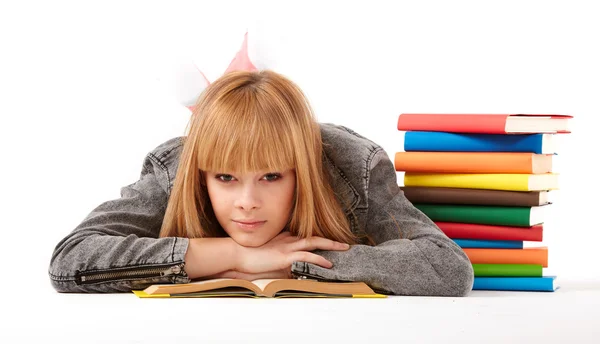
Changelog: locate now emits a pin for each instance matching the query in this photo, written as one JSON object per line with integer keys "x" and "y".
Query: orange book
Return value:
{"x": 473, "y": 162}
{"x": 527, "y": 255}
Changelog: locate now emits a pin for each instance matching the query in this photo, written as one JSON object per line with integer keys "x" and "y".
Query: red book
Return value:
{"x": 455, "y": 230}
{"x": 485, "y": 123}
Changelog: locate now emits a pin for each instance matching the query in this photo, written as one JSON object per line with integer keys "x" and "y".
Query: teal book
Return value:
{"x": 477, "y": 243}
{"x": 545, "y": 283}
{"x": 460, "y": 142}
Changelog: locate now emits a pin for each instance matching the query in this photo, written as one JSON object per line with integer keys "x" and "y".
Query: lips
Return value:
{"x": 249, "y": 226}
{"x": 248, "y": 222}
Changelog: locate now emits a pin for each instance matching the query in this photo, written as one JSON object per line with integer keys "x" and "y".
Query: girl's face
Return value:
{"x": 254, "y": 207}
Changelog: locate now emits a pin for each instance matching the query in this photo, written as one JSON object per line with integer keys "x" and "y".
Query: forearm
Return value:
{"x": 90, "y": 262}
{"x": 413, "y": 257}
{"x": 209, "y": 256}
{"x": 400, "y": 267}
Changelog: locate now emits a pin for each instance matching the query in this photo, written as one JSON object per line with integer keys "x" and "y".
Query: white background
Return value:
{"x": 81, "y": 101}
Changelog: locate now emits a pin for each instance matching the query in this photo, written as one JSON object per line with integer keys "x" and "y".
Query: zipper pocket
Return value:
{"x": 136, "y": 272}
{"x": 307, "y": 276}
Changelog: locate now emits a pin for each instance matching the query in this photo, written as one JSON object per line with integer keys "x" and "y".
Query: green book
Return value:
{"x": 484, "y": 214}
{"x": 507, "y": 270}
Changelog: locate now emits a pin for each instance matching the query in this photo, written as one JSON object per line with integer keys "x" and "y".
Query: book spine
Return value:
{"x": 508, "y": 270}
{"x": 467, "y": 162}
{"x": 456, "y": 230}
{"x": 482, "y": 214}
{"x": 497, "y": 181}
{"x": 515, "y": 283}
{"x": 478, "y": 243}
{"x": 458, "y": 123}
{"x": 433, "y": 195}
{"x": 459, "y": 142}
{"x": 507, "y": 256}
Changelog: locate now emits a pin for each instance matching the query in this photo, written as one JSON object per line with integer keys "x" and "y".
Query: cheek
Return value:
{"x": 217, "y": 199}
{"x": 286, "y": 196}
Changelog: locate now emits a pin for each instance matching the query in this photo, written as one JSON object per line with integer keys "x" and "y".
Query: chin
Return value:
{"x": 249, "y": 241}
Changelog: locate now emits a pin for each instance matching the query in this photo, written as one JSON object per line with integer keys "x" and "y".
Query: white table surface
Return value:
{"x": 571, "y": 314}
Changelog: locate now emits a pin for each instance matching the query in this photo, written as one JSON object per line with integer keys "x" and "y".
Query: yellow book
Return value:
{"x": 498, "y": 181}
{"x": 271, "y": 288}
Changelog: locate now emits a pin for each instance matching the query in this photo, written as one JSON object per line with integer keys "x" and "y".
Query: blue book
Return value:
{"x": 545, "y": 283}
{"x": 476, "y": 243}
{"x": 460, "y": 142}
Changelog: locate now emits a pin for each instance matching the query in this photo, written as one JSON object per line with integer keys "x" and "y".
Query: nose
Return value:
{"x": 248, "y": 199}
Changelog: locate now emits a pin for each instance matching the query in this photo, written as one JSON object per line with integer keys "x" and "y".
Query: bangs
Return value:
{"x": 245, "y": 137}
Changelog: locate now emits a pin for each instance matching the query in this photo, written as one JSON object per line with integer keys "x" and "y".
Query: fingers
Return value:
{"x": 318, "y": 243}
{"x": 290, "y": 239}
{"x": 302, "y": 256}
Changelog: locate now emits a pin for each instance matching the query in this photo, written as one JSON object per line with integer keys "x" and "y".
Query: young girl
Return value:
{"x": 258, "y": 189}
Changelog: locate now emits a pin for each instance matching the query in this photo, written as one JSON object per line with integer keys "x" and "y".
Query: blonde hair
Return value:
{"x": 250, "y": 121}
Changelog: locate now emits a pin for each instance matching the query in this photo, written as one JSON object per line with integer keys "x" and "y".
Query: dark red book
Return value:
{"x": 456, "y": 230}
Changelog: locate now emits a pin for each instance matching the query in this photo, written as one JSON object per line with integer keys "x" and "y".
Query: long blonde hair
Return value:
{"x": 250, "y": 121}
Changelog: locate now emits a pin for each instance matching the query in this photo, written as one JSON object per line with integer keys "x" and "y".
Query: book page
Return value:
{"x": 200, "y": 286}
{"x": 210, "y": 281}
{"x": 262, "y": 283}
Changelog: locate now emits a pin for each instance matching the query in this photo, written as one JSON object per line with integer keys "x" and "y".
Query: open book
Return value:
{"x": 226, "y": 287}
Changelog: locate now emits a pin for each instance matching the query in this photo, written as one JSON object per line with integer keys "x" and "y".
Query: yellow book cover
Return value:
{"x": 495, "y": 181}
{"x": 271, "y": 288}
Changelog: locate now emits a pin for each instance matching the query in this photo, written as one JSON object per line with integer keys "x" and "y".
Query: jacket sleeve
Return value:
{"x": 412, "y": 256}
{"x": 116, "y": 247}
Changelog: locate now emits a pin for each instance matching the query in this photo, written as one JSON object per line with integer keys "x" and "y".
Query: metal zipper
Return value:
{"x": 307, "y": 276}
{"x": 137, "y": 272}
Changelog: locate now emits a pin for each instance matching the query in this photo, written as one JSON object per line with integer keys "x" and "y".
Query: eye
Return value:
{"x": 271, "y": 177}
{"x": 224, "y": 177}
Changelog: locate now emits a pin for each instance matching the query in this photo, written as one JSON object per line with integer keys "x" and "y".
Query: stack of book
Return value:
{"x": 484, "y": 179}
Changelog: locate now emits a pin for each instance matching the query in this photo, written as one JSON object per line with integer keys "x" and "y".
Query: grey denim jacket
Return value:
{"x": 116, "y": 247}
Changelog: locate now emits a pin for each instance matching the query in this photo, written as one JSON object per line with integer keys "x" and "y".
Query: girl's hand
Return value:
{"x": 279, "y": 254}
{"x": 279, "y": 274}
